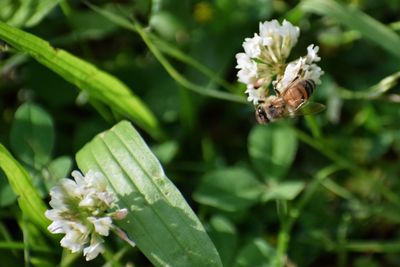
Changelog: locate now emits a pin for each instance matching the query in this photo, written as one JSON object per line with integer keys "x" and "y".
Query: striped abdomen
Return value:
{"x": 298, "y": 93}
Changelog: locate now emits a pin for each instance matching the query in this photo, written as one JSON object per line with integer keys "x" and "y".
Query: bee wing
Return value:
{"x": 308, "y": 108}
{"x": 283, "y": 90}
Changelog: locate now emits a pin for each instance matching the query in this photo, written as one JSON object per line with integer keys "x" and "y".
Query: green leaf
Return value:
{"x": 28, "y": 199}
{"x": 230, "y": 189}
{"x": 7, "y": 195}
{"x": 356, "y": 20}
{"x": 26, "y": 13}
{"x": 160, "y": 221}
{"x": 272, "y": 149}
{"x": 57, "y": 169}
{"x": 257, "y": 253}
{"x": 32, "y": 135}
{"x": 96, "y": 83}
{"x": 166, "y": 151}
{"x": 225, "y": 238}
{"x": 283, "y": 191}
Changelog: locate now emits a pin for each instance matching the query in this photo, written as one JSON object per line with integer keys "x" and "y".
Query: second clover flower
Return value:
{"x": 80, "y": 211}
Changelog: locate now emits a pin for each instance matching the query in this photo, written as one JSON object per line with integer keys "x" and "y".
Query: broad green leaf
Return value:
{"x": 230, "y": 189}
{"x": 32, "y": 135}
{"x": 257, "y": 253}
{"x": 225, "y": 238}
{"x": 160, "y": 221}
{"x": 26, "y": 13}
{"x": 96, "y": 83}
{"x": 272, "y": 149}
{"x": 28, "y": 199}
{"x": 357, "y": 20}
{"x": 283, "y": 191}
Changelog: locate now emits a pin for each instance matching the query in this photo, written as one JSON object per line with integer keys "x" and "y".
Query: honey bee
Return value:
{"x": 291, "y": 101}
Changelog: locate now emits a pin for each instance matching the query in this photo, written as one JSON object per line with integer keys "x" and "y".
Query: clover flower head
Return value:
{"x": 264, "y": 60}
{"x": 303, "y": 68}
{"x": 80, "y": 211}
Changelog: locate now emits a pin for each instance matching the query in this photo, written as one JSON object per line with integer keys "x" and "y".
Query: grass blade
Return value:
{"x": 357, "y": 20}
{"x": 25, "y": 13}
{"x": 160, "y": 221}
{"x": 96, "y": 83}
{"x": 29, "y": 201}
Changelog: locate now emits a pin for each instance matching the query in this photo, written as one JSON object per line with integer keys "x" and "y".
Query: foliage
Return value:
{"x": 318, "y": 190}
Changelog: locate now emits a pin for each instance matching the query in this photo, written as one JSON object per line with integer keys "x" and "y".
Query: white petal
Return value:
{"x": 93, "y": 250}
{"x": 312, "y": 55}
{"x": 88, "y": 201}
{"x": 252, "y": 46}
{"x": 57, "y": 227}
{"x": 314, "y": 73}
{"x": 101, "y": 225}
{"x": 289, "y": 30}
{"x": 254, "y": 95}
{"x": 74, "y": 240}
{"x": 107, "y": 198}
{"x": 53, "y": 214}
{"x": 79, "y": 178}
{"x": 269, "y": 28}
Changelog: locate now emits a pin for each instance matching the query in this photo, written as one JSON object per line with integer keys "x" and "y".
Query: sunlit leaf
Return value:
{"x": 160, "y": 221}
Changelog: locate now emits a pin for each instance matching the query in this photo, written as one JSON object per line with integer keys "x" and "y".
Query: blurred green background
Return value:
{"x": 332, "y": 177}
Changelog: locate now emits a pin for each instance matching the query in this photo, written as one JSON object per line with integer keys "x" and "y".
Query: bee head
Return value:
{"x": 261, "y": 115}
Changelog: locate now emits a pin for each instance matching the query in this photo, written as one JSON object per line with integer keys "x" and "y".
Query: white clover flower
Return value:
{"x": 80, "y": 211}
{"x": 264, "y": 56}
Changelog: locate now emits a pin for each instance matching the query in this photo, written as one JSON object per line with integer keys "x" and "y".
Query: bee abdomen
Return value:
{"x": 309, "y": 85}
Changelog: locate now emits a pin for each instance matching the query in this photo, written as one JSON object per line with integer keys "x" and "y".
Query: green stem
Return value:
{"x": 146, "y": 37}
{"x": 288, "y": 222}
{"x": 283, "y": 242}
{"x": 178, "y": 77}
{"x": 342, "y": 240}
{"x": 374, "y": 246}
{"x": 179, "y": 55}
